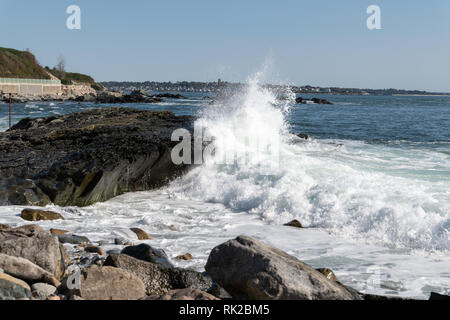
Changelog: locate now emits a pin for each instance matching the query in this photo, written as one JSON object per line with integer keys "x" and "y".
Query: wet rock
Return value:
{"x": 149, "y": 254}
{"x": 122, "y": 242}
{"x": 26, "y": 270}
{"x": 183, "y": 294}
{"x": 95, "y": 249}
{"x": 37, "y": 215}
{"x": 186, "y": 256}
{"x": 303, "y": 136}
{"x": 157, "y": 279}
{"x": 3, "y": 226}
{"x": 328, "y": 273}
{"x": 73, "y": 239}
{"x": 87, "y": 157}
{"x": 42, "y": 290}
{"x": 36, "y": 245}
{"x": 294, "y": 223}
{"x": 58, "y": 232}
{"x": 250, "y": 269}
{"x": 320, "y": 101}
{"x": 106, "y": 283}
{"x": 13, "y": 289}
{"x": 141, "y": 234}
{"x": 170, "y": 96}
{"x": 312, "y": 100}
{"x": 437, "y": 296}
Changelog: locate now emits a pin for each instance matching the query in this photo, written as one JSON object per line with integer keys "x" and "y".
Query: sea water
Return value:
{"x": 372, "y": 186}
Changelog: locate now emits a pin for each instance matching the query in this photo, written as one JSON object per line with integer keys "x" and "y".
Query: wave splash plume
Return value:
{"x": 344, "y": 188}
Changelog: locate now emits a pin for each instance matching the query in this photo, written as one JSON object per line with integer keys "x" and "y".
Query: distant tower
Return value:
{"x": 219, "y": 82}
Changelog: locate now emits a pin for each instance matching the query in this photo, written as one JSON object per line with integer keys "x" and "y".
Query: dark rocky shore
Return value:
{"x": 82, "y": 158}
{"x": 97, "y": 96}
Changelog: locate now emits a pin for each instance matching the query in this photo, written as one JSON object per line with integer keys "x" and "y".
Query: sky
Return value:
{"x": 321, "y": 42}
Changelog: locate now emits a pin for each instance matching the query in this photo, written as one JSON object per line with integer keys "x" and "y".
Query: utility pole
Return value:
{"x": 10, "y": 100}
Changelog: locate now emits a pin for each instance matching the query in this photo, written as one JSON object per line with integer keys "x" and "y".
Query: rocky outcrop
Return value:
{"x": 36, "y": 245}
{"x": 82, "y": 158}
{"x": 157, "y": 279}
{"x": 170, "y": 96}
{"x": 137, "y": 96}
{"x": 250, "y": 269}
{"x": 183, "y": 294}
{"x": 107, "y": 283}
{"x": 147, "y": 253}
{"x": 312, "y": 100}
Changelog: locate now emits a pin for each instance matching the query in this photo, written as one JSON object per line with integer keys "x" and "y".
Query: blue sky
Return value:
{"x": 317, "y": 42}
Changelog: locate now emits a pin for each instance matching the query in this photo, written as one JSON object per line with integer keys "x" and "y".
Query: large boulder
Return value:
{"x": 26, "y": 270}
{"x": 183, "y": 294}
{"x": 148, "y": 253}
{"x": 249, "y": 269}
{"x": 159, "y": 280}
{"x": 36, "y": 245}
{"x": 86, "y": 157}
{"x": 106, "y": 283}
{"x": 12, "y": 288}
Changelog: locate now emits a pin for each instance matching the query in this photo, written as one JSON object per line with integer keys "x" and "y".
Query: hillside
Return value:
{"x": 23, "y": 64}
{"x": 20, "y": 64}
{"x": 67, "y": 77}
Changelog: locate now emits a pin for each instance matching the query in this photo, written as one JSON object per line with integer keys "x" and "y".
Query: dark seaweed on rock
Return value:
{"x": 86, "y": 157}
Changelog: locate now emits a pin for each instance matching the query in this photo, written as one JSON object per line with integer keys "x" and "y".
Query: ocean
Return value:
{"x": 372, "y": 186}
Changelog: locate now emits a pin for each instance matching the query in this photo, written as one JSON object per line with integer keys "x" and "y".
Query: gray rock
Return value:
{"x": 13, "y": 289}
{"x": 73, "y": 239}
{"x": 113, "y": 251}
{"x": 183, "y": 294}
{"x": 250, "y": 269}
{"x": 157, "y": 279}
{"x": 42, "y": 290}
{"x": 36, "y": 245}
{"x": 149, "y": 254}
{"x": 106, "y": 283}
{"x": 26, "y": 270}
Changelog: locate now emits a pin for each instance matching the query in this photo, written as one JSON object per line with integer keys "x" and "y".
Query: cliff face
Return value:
{"x": 86, "y": 157}
{"x": 20, "y": 64}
